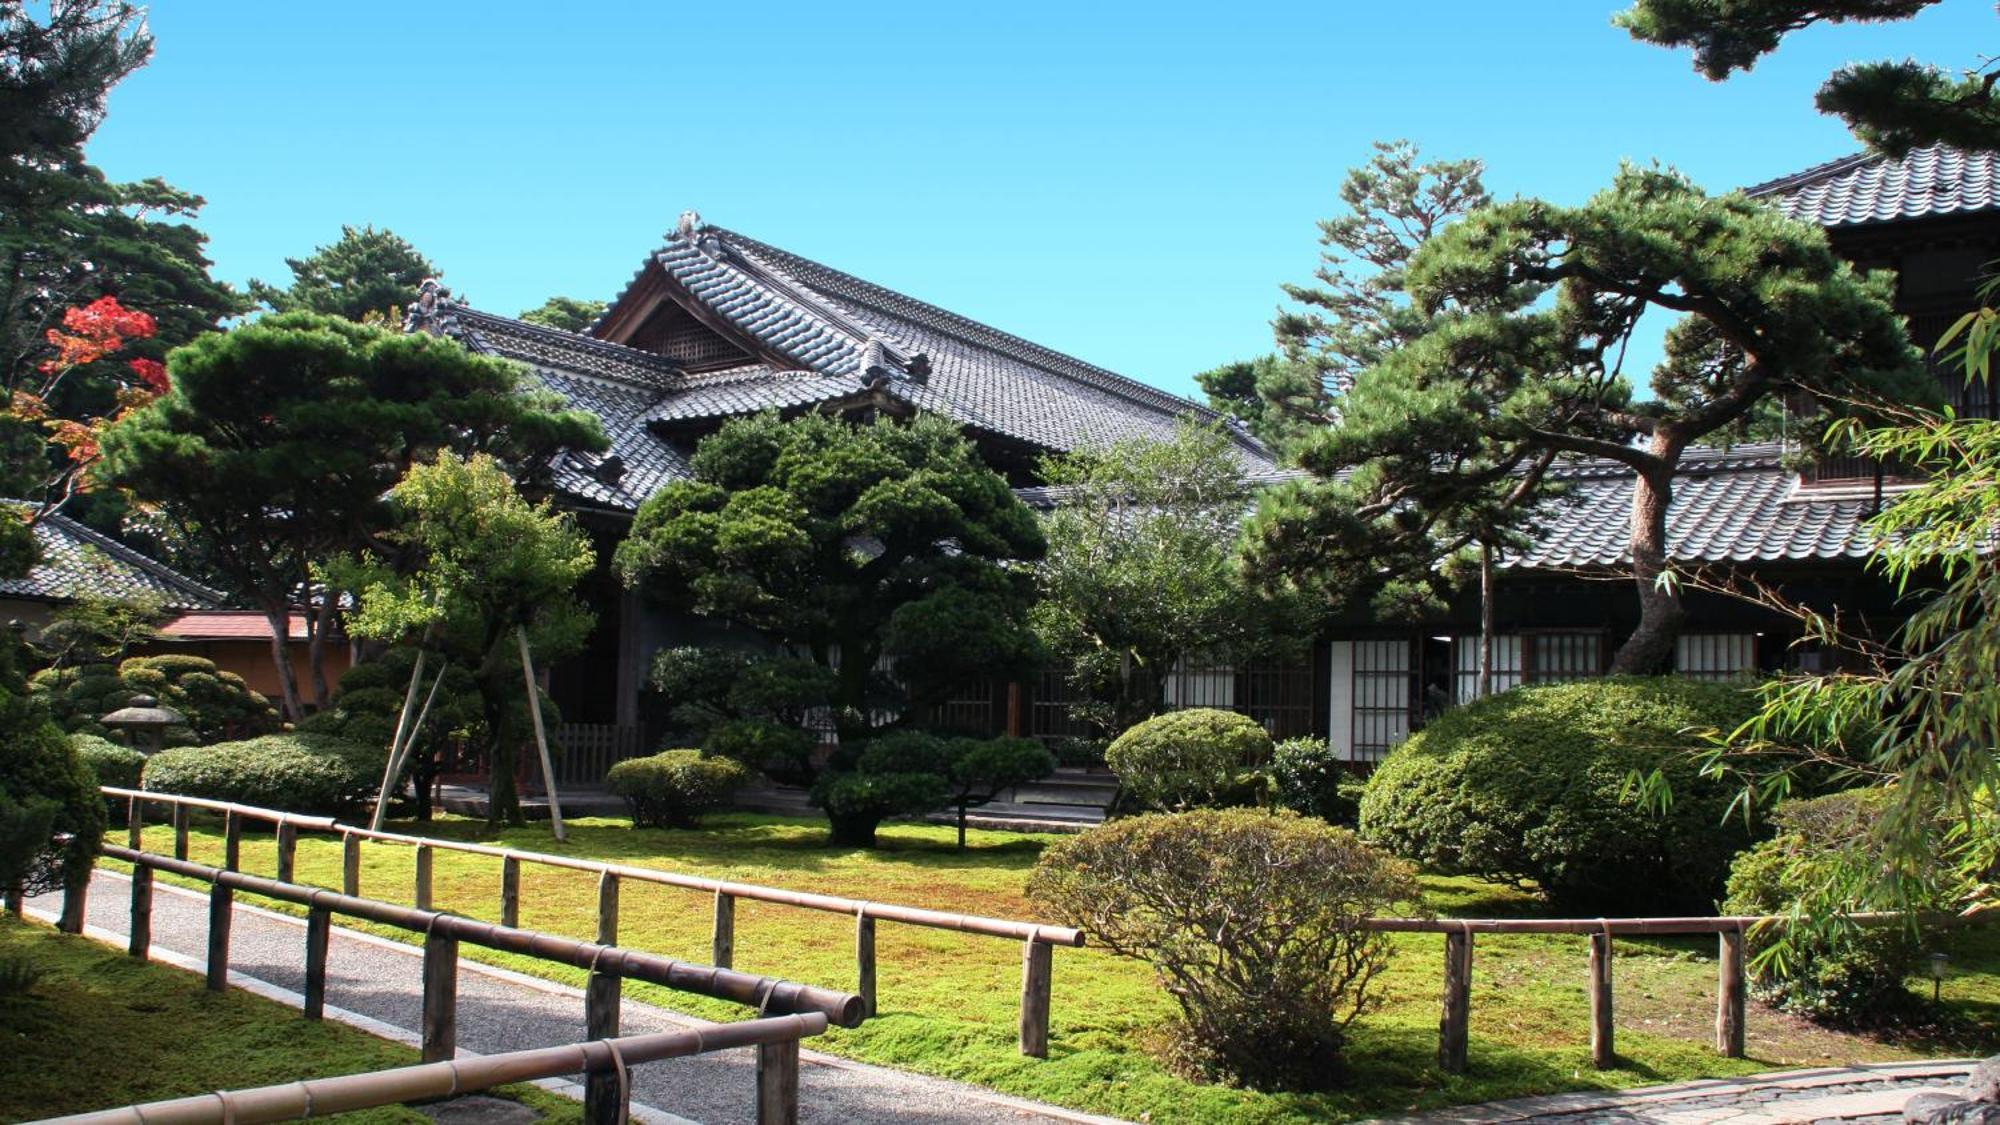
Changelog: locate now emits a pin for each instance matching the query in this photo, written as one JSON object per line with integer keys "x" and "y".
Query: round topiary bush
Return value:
{"x": 1252, "y": 921}
{"x": 1187, "y": 759}
{"x": 305, "y": 773}
{"x": 1309, "y": 777}
{"x": 1532, "y": 785}
{"x": 109, "y": 762}
{"x": 1832, "y": 975}
{"x": 673, "y": 788}
{"x": 216, "y": 704}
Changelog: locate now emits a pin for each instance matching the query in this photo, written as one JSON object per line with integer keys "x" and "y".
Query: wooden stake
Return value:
{"x": 1602, "y": 1053}
{"x": 1729, "y": 993}
{"x": 510, "y": 892}
{"x": 135, "y": 824}
{"x": 723, "y": 949}
{"x": 220, "y": 902}
{"x": 350, "y": 865}
{"x": 440, "y": 998}
{"x": 181, "y": 815}
{"x": 232, "y": 841}
{"x": 600, "y": 1012}
{"x": 864, "y": 961}
{"x": 141, "y": 929}
{"x": 319, "y": 924}
{"x": 541, "y": 736}
{"x": 1036, "y": 968}
{"x": 395, "y": 763}
{"x": 778, "y": 1083}
{"x": 1454, "y": 1024}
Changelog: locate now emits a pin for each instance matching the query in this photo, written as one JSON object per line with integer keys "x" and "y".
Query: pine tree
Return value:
{"x": 367, "y": 274}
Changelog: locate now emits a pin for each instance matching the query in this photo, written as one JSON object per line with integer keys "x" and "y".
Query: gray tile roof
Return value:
{"x": 1929, "y": 182}
{"x": 78, "y": 561}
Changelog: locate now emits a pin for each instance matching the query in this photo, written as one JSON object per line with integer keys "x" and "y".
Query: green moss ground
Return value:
{"x": 100, "y": 1029}
{"x": 948, "y": 1001}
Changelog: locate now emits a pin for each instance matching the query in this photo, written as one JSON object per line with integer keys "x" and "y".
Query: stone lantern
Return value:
{"x": 146, "y": 720}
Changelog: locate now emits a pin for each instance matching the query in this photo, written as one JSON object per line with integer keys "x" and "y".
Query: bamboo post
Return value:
{"x": 1729, "y": 993}
{"x": 76, "y": 898}
{"x": 864, "y": 960}
{"x": 181, "y": 815}
{"x": 394, "y": 765}
{"x": 219, "y": 913}
{"x": 1454, "y": 1024}
{"x": 141, "y": 929}
{"x": 723, "y": 948}
{"x": 510, "y": 892}
{"x": 232, "y": 841}
{"x": 288, "y": 849}
{"x": 319, "y": 926}
{"x": 440, "y": 998}
{"x": 541, "y": 736}
{"x": 778, "y": 1083}
{"x": 601, "y": 1103}
{"x": 424, "y": 865}
{"x": 1602, "y": 1052}
{"x": 350, "y": 865}
{"x": 135, "y": 823}
{"x": 1036, "y": 957}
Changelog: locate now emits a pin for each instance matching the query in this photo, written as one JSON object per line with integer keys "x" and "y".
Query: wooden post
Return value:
{"x": 76, "y": 897}
{"x": 141, "y": 929}
{"x": 541, "y": 736}
{"x": 394, "y": 765}
{"x": 510, "y": 892}
{"x": 288, "y": 849}
{"x": 601, "y": 1103}
{"x": 778, "y": 1083}
{"x": 219, "y": 912}
{"x": 723, "y": 949}
{"x": 14, "y": 896}
{"x": 424, "y": 865}
{"x": 1729, "y": 993}
{"x": 350, "y": 865}
{"x": 1036, "y": 957}
{"x": 181, "y": 815}
{"x": 135, "y": 824}
{"x": 232, "y": 841}
{"x": 319, "y": 924}
{"x": 864, "y": 961}
{"x": 1454, "y": 1024}
{"x": 1014, "y": 710}
{"x": 440, "y": 998}
{"x": 1602, "y": 1053}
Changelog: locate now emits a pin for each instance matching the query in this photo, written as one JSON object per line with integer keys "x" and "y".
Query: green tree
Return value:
{"x": 1142, "y": 572}
{"x": 69, "y": 235}
{"x": 366, "y": 272}
{"x": 1891, "y": 106}
{"x": 1534, "y": 306}
{"x": 480, "y": 567}
{"x": 571, "y": 314}
{"x": 279, "y": 441}
{"x": 854, "y": 544}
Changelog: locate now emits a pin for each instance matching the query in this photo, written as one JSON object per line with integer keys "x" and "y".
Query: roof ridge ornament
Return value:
{"x": 690, "y": 222}
{"x": 436, "y": 312}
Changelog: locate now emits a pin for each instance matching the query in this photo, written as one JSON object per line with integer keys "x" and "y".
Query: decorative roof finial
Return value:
{"x": 690, "y": 223}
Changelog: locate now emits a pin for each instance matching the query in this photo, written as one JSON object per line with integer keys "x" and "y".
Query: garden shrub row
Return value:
{"x": 305, "y": 773}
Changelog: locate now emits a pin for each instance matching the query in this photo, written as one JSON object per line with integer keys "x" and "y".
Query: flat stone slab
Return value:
{"x": 1858, "y": 1094}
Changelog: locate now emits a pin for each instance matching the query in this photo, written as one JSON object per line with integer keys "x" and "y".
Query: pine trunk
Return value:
{"x": 280, "y": 621}
{"x": 1649, "y": 651}
{"x": 1485, "y": 685}
{"x": 318, "y": 625}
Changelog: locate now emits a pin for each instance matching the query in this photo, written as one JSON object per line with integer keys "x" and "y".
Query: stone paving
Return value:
{"x": 1864, "y": 1094}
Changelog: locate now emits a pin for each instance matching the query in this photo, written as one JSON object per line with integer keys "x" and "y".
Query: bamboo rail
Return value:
{"x": 1731, "y": 986}
{"x": 317, "y": 1097}
{"x": 1037, "y": 969}
{"x": 607, "y": 965}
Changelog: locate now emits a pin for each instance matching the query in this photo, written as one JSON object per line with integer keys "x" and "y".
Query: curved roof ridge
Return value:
{"x": 1808, "y": 175}
{"x": 589, "y": 344}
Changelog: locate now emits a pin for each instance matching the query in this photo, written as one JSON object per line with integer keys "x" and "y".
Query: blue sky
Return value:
{"x": 1129, "y": 183}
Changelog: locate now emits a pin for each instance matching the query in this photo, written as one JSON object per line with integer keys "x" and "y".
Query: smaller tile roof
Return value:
{"x": 77, "y": 561}
{"x": 1929, "y": 182}
{"x": 230, "y": 625}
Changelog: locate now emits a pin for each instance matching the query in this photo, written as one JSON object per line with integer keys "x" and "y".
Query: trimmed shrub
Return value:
{"x": 672, "y": 789}
{"x": 1251, "y": 920}
{"x": 217, "y": 704}
{"x": 781, "y": 751}
{"x": 1309, "y": 778}
{"x": 1829, "y": 974}
{"x": 1186, "y": 759}
{"x": 857, "y": 803}
{"x": 109, "y": 762}
{"x": 1531, "y": 785}
{"x": 307, "y": 773}
{"x": 45, "y": 790}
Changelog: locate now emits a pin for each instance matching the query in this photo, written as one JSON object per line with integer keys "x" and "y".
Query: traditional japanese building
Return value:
{"x": 716, "y": 325}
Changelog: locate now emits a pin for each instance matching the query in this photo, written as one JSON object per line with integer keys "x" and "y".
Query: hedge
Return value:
{"x": 304, "y": 773}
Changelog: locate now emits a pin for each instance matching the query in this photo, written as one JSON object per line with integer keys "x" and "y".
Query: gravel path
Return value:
{"x": 375, "y": 984}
